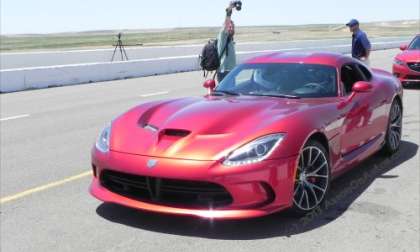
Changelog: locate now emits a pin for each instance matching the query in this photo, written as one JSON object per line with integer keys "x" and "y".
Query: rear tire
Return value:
{"x": 312, "y": 179}
{"x": 394, "y": 130}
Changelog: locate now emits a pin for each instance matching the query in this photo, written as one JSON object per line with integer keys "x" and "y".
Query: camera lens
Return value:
{"x": 238, "y": 5}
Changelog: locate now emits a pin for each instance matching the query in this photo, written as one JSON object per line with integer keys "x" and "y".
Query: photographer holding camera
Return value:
{"x": 226, "y": 43}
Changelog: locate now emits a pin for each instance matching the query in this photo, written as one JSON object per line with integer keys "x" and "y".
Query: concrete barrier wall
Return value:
{"x": 12, "y": 80}
{"x": 42, "y": 77}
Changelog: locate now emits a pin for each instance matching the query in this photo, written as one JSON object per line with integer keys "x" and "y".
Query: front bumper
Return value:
{"x": 256, "y": 190}
{"x": 406, "y": 75}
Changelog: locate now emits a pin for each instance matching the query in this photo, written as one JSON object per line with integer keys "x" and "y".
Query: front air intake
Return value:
{"x": 173, "y": 192}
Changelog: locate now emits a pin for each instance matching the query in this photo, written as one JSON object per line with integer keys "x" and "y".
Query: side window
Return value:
{"x": 365, "y": 72}
{"x": 242, "y": 79}
{"x": 244, "y": 76}
{"x": 350, "y": 75}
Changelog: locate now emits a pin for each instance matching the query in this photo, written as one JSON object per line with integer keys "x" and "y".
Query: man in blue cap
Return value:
{"x": 360, "y": 43}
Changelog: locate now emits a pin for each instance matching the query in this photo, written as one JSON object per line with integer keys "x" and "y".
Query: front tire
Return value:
{"x": 394, "y": 130}
{"x": 312, "y": 179}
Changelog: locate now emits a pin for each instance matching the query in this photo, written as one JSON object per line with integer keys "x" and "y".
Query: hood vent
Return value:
{"x": 176, "y": 132}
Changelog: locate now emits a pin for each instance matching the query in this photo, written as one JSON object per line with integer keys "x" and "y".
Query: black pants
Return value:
{"x": 221, "y": 76}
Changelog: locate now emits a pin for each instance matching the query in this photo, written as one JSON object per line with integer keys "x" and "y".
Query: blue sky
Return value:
{"x": 46, "y": 16}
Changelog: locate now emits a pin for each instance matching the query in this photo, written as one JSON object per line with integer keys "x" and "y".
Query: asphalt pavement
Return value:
{"x": 65, "y": 57}
{"x": 46, "y": 136}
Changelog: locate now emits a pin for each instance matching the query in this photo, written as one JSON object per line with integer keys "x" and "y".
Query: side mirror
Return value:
{"x": 210, "y": 85}
{"x": 358, "y": 87}
{"x": 403, "y": 47}
{"x": 362, "y": 87}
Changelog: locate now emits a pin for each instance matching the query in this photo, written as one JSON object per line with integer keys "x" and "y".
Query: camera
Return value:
{"x": 237, "y": 4}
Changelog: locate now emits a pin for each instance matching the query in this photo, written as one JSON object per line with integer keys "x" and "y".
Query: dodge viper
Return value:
{"x": 407, "y": 64}
{"x": 271, "y": 136}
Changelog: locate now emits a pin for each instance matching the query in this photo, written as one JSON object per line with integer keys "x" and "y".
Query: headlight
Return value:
{"x": 399, "y": 62}
{"x": 102, "y": 144}
{"x": 255, "y": 151}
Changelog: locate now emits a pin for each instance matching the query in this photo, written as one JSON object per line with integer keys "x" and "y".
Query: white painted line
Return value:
{"x": 389, "y": 42}
{"x": 273, "y": 51}
{"x": 154, "y": 94}
{"x": 65, "y": 51}
{"x": 13, "y": 117}
{"x": 194, "y": 56}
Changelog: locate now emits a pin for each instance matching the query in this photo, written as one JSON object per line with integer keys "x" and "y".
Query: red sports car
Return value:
{"x": 271, "y": 136}
{"x": 407, "y": 64}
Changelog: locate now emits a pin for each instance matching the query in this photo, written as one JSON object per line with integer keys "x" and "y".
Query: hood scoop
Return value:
{"x": 175, "y": 132}
{"x": 167, "y": 132}
{"x": 168, "y": 138}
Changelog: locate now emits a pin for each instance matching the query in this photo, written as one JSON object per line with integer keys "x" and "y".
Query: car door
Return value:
{"x": 378, "y": 104}
{"x": 357, "y": 112}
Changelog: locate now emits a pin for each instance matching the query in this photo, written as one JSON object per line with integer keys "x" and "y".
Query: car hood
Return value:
{"x": 409, "y": 56}
{"x": 199, "y": 128}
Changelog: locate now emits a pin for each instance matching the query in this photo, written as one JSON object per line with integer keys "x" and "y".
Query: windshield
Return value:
{"x": 281, "y": 79}
{"x": 415, "y": 45}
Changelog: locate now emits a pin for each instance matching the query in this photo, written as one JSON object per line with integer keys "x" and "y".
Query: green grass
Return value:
{"x": 199, "y": 35}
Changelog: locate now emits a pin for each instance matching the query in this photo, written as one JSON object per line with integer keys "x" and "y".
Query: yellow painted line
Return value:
{"x": 43, "y": 187}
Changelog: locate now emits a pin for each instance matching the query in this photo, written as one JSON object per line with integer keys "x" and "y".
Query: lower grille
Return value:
{"x": 414, "y": 66}
{"x": 182, "y": 193}
{"x": 413, "y": 77}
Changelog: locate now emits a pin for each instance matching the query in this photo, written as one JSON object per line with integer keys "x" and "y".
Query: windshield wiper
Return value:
{"x": 275, "y": 95}
{"x": 224, "y": 92}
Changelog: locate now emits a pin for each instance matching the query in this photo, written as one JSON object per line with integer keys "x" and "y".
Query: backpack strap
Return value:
{"x": 214, "y": 75}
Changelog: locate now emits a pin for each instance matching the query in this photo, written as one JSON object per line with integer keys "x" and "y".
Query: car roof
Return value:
{"x": 321, "y": 58}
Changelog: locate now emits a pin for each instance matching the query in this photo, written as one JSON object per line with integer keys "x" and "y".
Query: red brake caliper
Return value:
{"x": 312, "y": 180}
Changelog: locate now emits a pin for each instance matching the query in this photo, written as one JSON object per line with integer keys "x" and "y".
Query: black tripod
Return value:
{"x": 121, "y": 48}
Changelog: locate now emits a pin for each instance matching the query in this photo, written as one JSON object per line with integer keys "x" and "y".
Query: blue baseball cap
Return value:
{"x": 352, "y": 22}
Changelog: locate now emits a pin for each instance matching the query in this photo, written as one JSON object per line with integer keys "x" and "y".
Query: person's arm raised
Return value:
{"x": 223, "y": 34}
{"x": 228, "y": 18}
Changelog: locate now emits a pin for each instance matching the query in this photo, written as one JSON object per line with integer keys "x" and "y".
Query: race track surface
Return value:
{"x": 66, "y": 57}
{"x": 46, "y": 137}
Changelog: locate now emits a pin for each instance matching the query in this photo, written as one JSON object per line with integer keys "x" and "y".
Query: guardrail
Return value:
{"x": 12, "y": 80}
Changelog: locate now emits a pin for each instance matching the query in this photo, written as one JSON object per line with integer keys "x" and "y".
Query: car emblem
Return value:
{"x": 151, "y": 163}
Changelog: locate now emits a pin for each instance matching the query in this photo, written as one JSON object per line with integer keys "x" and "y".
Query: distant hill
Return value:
{"x": 190, "y": 35}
